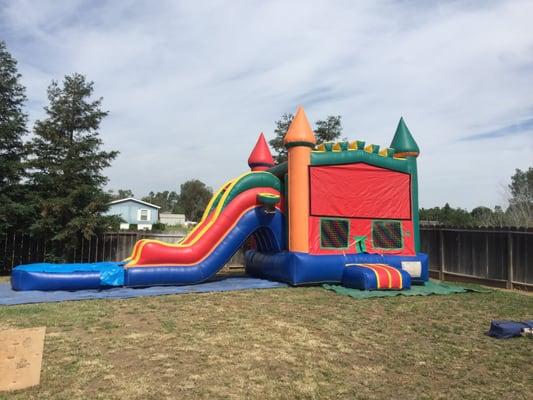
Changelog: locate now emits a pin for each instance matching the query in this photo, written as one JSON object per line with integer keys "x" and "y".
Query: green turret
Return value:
{"x": 403, "y": 142}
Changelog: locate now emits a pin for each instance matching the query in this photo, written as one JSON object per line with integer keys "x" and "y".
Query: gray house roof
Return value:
{"x": 136, "y": 201}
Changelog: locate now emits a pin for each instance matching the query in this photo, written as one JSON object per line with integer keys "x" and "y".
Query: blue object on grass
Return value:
{"x": 9, "y": 296}
{"x": 46, "y": 276}
{"x": 508, "y": 329}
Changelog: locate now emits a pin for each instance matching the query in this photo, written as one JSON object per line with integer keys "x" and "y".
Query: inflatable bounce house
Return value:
{"x": 335, "y": 212}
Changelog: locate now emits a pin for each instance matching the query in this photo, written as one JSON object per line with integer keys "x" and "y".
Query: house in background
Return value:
{"x": 134, "y": 212}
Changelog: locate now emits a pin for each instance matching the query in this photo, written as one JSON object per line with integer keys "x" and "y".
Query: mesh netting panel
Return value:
{"x": 387, "y": 234}
{"x": 334, "y": 233}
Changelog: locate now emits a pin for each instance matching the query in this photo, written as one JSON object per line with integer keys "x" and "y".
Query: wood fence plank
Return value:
{"x": 510, "y": 261}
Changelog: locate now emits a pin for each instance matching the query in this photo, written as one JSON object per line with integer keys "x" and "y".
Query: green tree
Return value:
{"x": 282, "y": 125}
{"x": 167, "y": 200}
{"x": 499, "y": 216}
{"x": 447, "y": 215}
{"x": 520, "y": 210}
{"x": 121, "y": 194}
{"x": 326, "y": 130}
{"x": 521, "y": 186}
{"x": 482, "y": 216}
{"x": 193, "y": 198}
{"x": 125, "y": 193}
{"x": 13, "y": 209}
{"x": 66, "y": 168}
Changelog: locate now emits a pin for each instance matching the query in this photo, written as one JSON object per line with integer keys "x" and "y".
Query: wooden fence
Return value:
{"x": 17, "y": 248}
{"x": 20, "y": 248}
{"x": 499, "y": 257}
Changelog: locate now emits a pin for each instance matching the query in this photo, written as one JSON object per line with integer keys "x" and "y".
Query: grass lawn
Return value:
{"x": 279, "y": 343}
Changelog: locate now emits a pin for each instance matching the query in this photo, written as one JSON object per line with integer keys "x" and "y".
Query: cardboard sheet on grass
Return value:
{"x": 431, "y": 287}
{"x": 21, "y": 354}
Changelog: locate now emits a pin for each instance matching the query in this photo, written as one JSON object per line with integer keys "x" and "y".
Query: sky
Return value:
{"x": 189, "y": 85}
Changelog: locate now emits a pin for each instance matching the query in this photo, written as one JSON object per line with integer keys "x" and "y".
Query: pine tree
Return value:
{"x": 66, "y": 167}
{"x": 12, "y": 130}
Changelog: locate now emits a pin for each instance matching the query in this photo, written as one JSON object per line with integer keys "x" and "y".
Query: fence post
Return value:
{"x": 459, "y": 255}
{"x": 13, "y": 251}
{"x": 441, "y": 268}
{"x": 509, "y": 260}
{"x": 4, "y": 256}
{"x": 487, "y": 255}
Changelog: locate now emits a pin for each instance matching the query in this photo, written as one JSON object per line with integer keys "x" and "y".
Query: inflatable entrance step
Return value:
{"x": 375, "y": 277}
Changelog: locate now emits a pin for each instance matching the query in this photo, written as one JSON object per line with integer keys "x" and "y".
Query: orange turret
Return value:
{"x": 299, "y": 140}
{"x": 260, "y": 158}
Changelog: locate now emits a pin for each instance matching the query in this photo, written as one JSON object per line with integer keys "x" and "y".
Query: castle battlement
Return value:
{"x": 356, "y": 145}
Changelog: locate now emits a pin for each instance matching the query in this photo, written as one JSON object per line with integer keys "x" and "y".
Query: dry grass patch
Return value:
{"x": 279, "y": 343}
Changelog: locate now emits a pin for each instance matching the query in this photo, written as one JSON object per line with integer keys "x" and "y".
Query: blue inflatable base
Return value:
{"x": 47, "y": 276}
{"x": 304, "y": 269}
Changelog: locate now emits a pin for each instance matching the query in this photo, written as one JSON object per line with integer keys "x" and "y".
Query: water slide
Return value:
{"x": 236, "y": 211}
{"x": 244, "y": 206}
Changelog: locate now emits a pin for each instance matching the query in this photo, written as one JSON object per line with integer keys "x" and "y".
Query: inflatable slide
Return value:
{"x": 247, "y": 205}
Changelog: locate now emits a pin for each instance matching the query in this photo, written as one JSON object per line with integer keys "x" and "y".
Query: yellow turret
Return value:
{"x": 299, "y": 140}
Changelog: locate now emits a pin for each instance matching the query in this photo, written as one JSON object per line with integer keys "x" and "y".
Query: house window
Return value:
{"x": 143, "y": 215}
{"x": 334, "y": 233}
{"x": 387, "y": 235}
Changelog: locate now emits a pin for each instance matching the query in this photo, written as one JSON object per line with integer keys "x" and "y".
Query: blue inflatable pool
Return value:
{"x": 47, "y": 276}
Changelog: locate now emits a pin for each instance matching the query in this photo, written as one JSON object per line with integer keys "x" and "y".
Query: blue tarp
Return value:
{"x": 9, "y": 296}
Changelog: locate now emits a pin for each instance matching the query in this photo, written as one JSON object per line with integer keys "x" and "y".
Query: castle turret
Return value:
{"x": 260, "y": 158}
{"x": 299, "y": 140}
{"x": 405, "y": 147}
{"x": 403, "y": 142}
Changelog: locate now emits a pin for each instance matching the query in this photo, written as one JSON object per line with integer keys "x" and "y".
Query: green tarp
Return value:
{"x": 431, "y": 287}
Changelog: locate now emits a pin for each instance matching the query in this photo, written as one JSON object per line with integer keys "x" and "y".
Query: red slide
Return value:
{"x": 204, "y": 241}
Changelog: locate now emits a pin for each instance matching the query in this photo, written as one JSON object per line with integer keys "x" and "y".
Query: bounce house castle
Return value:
{"x": 342, "y": 212}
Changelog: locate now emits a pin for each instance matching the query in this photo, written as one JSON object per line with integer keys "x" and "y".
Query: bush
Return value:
{"x": 158, "y": 226}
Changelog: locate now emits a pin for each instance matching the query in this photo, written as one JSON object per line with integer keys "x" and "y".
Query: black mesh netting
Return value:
{"x": 387, "y": 234}
{"x": 334, "y": 233}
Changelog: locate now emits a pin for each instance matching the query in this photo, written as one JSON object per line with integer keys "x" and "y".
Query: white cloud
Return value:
{"x": 189, "y": 86}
